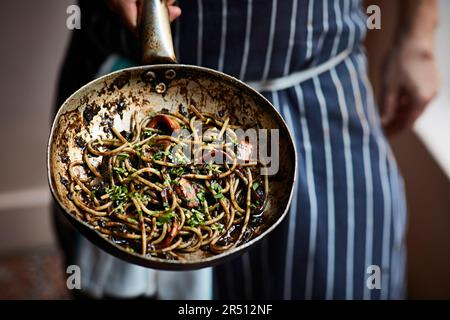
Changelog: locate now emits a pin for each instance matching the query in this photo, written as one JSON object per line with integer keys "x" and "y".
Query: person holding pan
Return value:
{"x": 348, "y": 216}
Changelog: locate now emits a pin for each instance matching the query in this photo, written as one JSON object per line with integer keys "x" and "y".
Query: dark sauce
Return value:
{"x": 64, "y": 181}
{"x": 107, "y": 123}
{"x": 120, "y": 107}
{"x": 120, "y": 81}
{"x": 120, "y": 241}
{"x": 99, "y": 187}
{"x": 128, "y": 135}
{"x": 81, "y": 143}
{"x": 183, "y": 110}
{"x": 64, "y": 158}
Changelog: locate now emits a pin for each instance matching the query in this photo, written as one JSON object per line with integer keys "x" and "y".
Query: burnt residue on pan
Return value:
{"x": 120, "y": 81}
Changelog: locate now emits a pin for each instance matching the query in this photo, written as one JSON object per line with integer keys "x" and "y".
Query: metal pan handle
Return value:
{"x": 155, "y": 33}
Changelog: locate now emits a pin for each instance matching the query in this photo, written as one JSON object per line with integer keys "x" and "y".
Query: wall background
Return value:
{"x": 34, "y": 38}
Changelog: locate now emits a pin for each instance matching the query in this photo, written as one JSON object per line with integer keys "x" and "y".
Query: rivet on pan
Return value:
{"x": 150, "y": 75}
{"x": 170, "y": 74}
{"x": 160, "y": 88}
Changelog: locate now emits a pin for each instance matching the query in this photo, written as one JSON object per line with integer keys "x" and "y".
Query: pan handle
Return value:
{"x": 156, "y": 36}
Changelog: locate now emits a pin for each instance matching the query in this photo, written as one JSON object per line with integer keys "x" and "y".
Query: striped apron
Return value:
{"x": 348, "y": 213}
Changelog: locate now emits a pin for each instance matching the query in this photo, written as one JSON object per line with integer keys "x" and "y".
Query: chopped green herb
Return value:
{"x": 178, "y": 171}
{"x": 118, "y": 194}
{"x": 212, "y": 167}
{"x": 120, "y": 170}
{"x": 167, "y": 181}
{"x": 120, "y": 208}
{"x": 166, "y": 218}
{"x": 219, "y": 196}
{"x": 143, "y": 197}
{"x": 196, "y": 218}
{"x": 160, "y": 155}
{"x": 201, "y": 196}
{"x": 255, "y": 205}
{"x": 218, "y": 226}
{"x": 138, "y": 149}
{"x": 150, "y": 132}
{"x": 179, "y": 158}
{"x": 123, "y": 156}
{"x": 218, "y": 189}
{"x": 255, "y": 185}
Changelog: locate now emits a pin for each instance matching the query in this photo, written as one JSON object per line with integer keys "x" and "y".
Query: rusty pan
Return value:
{"x": 163, "y": 84}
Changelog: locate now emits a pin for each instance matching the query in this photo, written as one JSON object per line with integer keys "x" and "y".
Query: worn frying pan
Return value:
{"x": 152, "y": 88}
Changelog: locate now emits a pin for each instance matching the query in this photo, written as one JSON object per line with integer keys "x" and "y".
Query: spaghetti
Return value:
{"x": 141, "y": 190}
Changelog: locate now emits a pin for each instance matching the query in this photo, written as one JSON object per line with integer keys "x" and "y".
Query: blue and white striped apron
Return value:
{"x": 348, "y": 212}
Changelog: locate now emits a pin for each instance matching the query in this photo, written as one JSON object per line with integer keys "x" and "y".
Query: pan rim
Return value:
{"x": 159, "y": 263}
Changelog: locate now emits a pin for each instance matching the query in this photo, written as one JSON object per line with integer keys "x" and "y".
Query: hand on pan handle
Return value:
{"x": 128, "y": 11}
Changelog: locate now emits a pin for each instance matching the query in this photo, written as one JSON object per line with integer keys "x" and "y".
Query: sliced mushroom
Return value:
{"x": 164, "y": 123}
{"x": 186, "y": 192}
{"x": 171, "y": 235}
{"x": 244, "y": 151}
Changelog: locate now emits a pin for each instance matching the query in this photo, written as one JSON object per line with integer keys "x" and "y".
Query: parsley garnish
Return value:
{"x": 218, "y": 226}
{"x": 178, "y": 171}
{"x": 123, "y": 156}
{"x": 211, "y": 167}
{"x": 150, "y": 132}
{"x": 218, "y": 196}
{"x": 201, "y": 196}
{"x": 120, "y": 170}
{"x": 118, "y": 194}
{"x": 196, "y": 218}
{"x": 166, "y": 218}
{"x": 160, "y": 155}
{"x": 218, "y": 189}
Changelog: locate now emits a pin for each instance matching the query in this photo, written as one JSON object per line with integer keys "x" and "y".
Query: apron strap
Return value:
{"x": 300, "y": 76}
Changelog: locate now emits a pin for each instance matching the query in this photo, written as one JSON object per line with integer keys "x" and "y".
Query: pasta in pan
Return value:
{"x": 141, "y": 190}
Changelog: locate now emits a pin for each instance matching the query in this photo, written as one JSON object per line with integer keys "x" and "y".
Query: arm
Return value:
{"x": 410, "y": 78}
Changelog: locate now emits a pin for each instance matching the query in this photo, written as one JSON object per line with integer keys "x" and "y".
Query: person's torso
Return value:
{"x": 263, "y": 39}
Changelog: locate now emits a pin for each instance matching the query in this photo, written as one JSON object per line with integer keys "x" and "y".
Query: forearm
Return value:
{"x": 410, "y": 78}
{"x": 418, "y": 19}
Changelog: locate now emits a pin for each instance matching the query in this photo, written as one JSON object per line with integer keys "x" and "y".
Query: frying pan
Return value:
{"x": 163, "y": 85}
